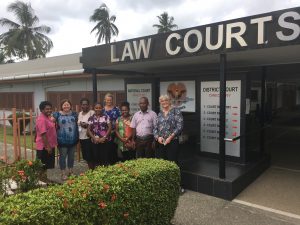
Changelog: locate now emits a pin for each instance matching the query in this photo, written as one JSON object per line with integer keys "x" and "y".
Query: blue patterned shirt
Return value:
{"x": 166, "y": 125}
{"x": 67, "y": 128}
{"x": 113, "y": 115}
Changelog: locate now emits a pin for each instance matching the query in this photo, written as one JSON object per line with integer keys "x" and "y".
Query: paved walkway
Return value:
{"x": 199, "y": 209}
{"x": 54, "y": 175}
{"x": 10, "y": 153}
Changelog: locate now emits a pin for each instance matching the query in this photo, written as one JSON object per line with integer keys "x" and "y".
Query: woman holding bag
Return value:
{"x": 124, "y": 133}
{"x": 85, "y": 141}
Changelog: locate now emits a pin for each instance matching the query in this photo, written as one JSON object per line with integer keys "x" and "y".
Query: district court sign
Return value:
{"x": 210, "y": 108}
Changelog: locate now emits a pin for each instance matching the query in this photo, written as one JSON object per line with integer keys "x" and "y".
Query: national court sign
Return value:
{"x": 279, "y": 28}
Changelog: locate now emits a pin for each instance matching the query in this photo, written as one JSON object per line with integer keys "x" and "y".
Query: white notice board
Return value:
{"x": 181, "y": 93}
{"x": 135, "y": 92}
{"x": 210, "y": 116}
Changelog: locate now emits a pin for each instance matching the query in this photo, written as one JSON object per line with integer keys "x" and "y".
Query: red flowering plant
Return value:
{"x": 114, "y": 195}
{"x": 27, "y": 174}
{"x": 5, "y": 174}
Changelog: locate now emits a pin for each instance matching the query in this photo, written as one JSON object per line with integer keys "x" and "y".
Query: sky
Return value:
{"x": 71, "y": 28}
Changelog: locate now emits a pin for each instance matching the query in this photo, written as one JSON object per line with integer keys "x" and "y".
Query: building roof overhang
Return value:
{"x": 261, "y": 47}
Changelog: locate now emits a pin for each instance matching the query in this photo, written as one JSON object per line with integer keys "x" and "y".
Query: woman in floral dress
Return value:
{"x": 124, "y": 133}
{"x": 99, "y": 130}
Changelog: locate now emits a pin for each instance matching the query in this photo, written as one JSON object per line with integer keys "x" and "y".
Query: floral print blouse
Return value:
{"x": 166, "y": 125}
{"x": 99, "y": 125}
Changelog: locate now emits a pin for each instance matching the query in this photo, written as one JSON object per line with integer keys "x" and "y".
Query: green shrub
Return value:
{"x": 5, "y": 174}
{"x": 27, "y": 174}
{"x": 142, "y": 192}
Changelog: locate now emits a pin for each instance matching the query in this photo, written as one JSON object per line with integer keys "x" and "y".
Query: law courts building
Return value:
{"x": 231, "y": 79}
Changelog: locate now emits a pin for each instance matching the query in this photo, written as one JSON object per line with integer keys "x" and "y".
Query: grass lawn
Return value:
{"x": 10, "y": 139}
{"x": 29, "y": 141}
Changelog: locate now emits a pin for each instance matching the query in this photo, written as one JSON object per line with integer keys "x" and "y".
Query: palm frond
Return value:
{"x": 8, "y": 23}
{"x": 42, "y": 29}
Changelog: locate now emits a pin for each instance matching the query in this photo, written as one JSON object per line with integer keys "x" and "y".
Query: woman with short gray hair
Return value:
{"x": 168, "y": 127}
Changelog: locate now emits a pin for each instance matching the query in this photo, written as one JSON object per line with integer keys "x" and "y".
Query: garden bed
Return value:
{"x": 143, "y": 191}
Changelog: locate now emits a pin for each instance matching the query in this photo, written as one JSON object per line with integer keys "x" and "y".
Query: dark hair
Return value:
{"x": 98, "y": 103}
{"x": 145, "y": 98}
{"x": 43, "y": 105}
{"x": 126, "y": 104}
{"x": 64, "y": 101}
{"x": 84, "y": 99}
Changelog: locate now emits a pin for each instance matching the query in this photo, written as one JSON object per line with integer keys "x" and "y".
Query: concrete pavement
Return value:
{"x": 199, "y": 209}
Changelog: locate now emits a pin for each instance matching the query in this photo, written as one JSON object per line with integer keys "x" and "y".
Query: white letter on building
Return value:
{"x": 186, "y": 41}
{"x": 292, "y": 26}
{"x": 168, "y": 42}
{"x": 260, "y": 27}
{"x": 127, "y": 52}
{"x": 208, "y": 38}
{"x": 113, "y": 54}
{"x": 141, "y": 46}
{"x": 237, "y": 36}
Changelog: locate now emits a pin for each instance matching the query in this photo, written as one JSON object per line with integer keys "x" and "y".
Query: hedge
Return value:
{"x": 143, "y": 191}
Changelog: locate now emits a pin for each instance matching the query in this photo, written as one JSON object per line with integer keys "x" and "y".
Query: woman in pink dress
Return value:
{"x": 46, "y": 138}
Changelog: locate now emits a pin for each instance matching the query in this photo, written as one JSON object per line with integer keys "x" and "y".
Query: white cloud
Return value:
{"x": 72, "y": 36}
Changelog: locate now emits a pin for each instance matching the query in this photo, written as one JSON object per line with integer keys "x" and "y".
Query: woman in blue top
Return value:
{"x": 113, "y": 113}
{"x": 67, "y": 136}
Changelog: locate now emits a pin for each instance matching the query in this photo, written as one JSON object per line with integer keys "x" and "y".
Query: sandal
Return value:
{"x": 64, "y": 177}
{"x": 70, "y": 173}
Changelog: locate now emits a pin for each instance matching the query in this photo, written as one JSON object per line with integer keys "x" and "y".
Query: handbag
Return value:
{"x": 129, "y": 145}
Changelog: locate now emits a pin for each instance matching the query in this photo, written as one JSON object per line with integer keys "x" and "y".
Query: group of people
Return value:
{"x": 106, "y": 133}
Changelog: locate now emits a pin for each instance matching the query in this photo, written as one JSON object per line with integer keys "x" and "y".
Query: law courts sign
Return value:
{"x": 268, "y": 30}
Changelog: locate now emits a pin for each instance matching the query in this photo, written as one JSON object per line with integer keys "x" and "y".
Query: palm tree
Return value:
{"x": 24, "y": 38}
{"x": 166, "y": 23}
{"x": 105, "y": 26}
{"x": 2, "y": 57}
